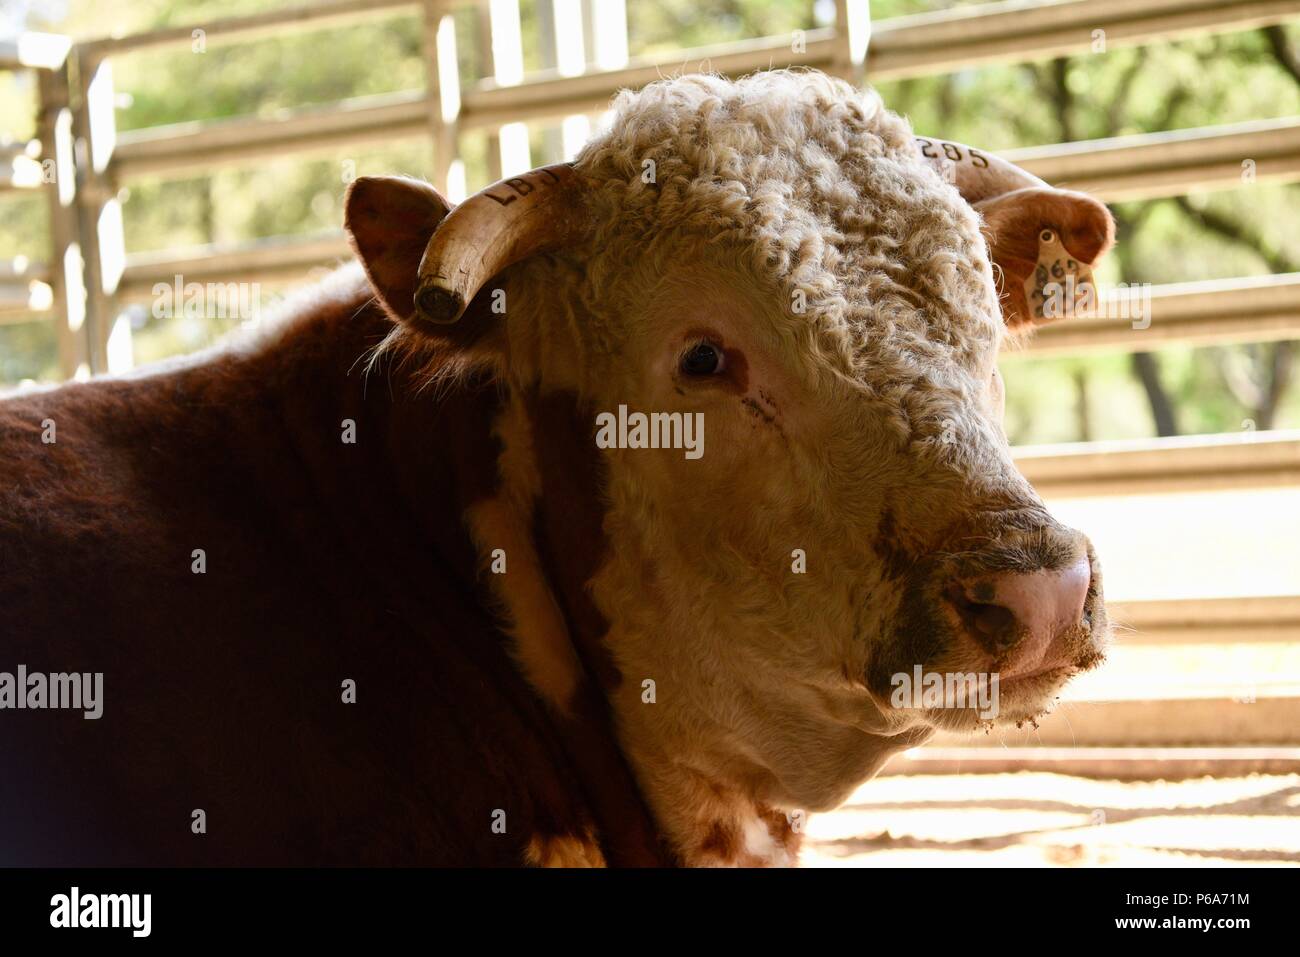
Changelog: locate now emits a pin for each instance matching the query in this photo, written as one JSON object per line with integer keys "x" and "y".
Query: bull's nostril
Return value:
{"x": 991, "y": 624}
{"x": 993, "y": 621}
{"x": 1021, "y": 618}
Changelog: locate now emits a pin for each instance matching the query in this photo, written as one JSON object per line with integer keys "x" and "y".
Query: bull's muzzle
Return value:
{"x": 1033, "y": 621}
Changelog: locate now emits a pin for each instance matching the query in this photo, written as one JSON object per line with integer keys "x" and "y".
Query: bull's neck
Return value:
{"x": 446, "y": 483}
{"x": 389, "y": 461}
{"x": 550, "y": 520}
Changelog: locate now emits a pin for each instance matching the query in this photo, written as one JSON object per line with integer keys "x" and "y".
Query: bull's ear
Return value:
{"x": 1045, "y": 243}
{"x": 389, "y": 221}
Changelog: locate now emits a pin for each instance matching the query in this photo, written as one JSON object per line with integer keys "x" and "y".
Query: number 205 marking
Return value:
{"x": 952, "y": 151}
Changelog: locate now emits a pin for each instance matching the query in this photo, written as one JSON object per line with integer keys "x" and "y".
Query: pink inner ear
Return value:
{"x": 389, "y": 221}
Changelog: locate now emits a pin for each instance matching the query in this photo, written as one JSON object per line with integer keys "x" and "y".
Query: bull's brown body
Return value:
{"x": 325, "y": 561}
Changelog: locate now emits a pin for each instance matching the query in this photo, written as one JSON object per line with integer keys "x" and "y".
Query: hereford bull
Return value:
{"x": 366, "y": 589}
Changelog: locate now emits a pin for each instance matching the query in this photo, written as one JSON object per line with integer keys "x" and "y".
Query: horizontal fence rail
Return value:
{"x": 18, "y": 302}
{"x": 1114, "y": 763}
{"x": 1012, "y": 31}
{"x": 20, "y": 166}
{"x": 257, "y": 26}
{"x": 1218, "y": 720}
{"x": 1154, "y": 165}
{"x": 24, "y": 289}
{"x": 278, "y": 259}
{"x": 1017, "y": 31}
{"x": 1205, "y": 313}
{"x": 212, "y": 144}
{"x": 34, "y": 51}
{"x": 1270, "y": 618}
{"x": 1144, "y": 166}
{"x": 1148, "y": 466}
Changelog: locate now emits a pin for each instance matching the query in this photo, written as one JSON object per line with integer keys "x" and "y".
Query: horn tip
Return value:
{"x": 438, "y": 305}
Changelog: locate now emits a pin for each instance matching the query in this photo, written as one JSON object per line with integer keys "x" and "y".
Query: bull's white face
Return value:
{"x": 772, "y": 587}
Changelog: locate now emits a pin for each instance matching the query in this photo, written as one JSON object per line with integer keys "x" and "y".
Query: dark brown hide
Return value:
{"x": 325, "y": 561}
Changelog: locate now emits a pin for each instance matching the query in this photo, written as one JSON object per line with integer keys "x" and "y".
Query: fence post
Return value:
{"x": 852, "y": 36}
{"x": 564, "y": 49}
{"x": 548, "y": 40}
{"x": 443, "y": 80}
{"x": 508, "y": 70}
{"x": 608, "y": 48}
{"x": 66, "y": 268}
{"x": 609, "y": 34}
{"x": 483, "y": 32}
{"x": 99, "y": 215}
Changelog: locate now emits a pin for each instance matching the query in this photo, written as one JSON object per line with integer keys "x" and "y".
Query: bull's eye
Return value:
{"x": 703, "y": 359}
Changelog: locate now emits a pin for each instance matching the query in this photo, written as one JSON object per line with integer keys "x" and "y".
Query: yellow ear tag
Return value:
{"x": 1060, "y": 285}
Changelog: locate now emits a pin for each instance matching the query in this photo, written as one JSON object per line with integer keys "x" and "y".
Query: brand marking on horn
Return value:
{"x": 520, "y": 185}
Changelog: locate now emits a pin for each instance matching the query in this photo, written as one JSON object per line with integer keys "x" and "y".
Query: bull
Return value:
{"x": 365, "y": 588}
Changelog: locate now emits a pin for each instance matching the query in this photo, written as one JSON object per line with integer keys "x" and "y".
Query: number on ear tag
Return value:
{"x": 1059, "y": 285}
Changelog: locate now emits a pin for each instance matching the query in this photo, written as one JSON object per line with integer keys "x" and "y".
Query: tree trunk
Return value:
{"x": 1162, "y": 410}
{"x": 1279, "y": 378}
{"x": 1082, "y": 413}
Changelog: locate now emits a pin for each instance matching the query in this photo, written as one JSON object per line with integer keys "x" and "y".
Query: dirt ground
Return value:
{"x": 1035, "y": 819}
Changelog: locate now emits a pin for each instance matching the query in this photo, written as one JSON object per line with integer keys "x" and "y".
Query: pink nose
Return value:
{"x": 1021, "y": 618}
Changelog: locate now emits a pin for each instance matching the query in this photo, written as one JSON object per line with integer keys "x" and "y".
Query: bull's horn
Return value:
{"x": 536, "y": 211}
{"x": 977, "y": 175}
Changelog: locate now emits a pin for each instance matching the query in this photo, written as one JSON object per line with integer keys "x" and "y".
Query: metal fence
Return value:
{"x": 81, "y": 161}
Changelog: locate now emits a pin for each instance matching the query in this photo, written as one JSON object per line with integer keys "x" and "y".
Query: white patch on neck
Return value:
{"x": 759, "y": 843}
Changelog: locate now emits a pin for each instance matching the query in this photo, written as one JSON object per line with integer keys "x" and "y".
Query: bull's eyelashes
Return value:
{"x": 702, "y": 359}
